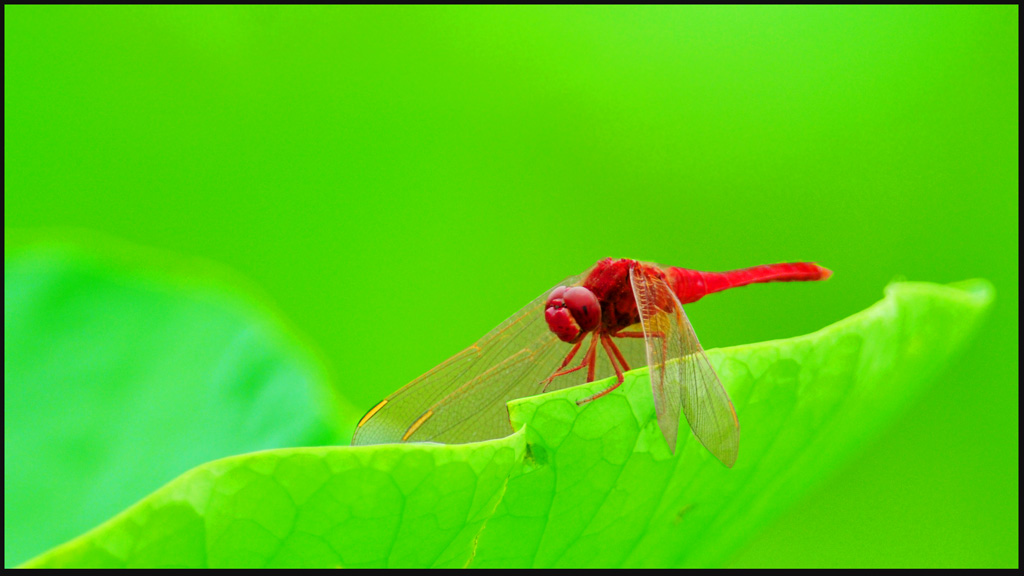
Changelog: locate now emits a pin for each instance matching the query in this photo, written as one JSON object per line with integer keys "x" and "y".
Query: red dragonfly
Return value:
{"x": 631, "y": 311}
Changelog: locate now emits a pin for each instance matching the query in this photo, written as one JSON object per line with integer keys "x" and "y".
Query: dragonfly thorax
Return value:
{"x": 609, "y": 281}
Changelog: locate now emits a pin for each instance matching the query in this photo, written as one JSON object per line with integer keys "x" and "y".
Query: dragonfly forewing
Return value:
{"x": 464, "y": 398}
{"x": 682, "y": 378}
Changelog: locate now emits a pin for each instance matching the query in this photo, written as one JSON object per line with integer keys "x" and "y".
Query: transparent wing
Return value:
{"x": 681, "y": 375}
{"x": 463, "y": 399}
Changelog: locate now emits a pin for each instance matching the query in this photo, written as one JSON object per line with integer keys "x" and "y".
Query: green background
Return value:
{"x": 398, "y": 181}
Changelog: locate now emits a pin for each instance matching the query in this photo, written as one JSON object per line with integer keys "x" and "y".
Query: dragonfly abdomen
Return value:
{"x": 692, "y": 285}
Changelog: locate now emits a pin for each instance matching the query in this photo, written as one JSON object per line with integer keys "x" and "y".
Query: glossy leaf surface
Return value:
{"x": 594, "y": 485}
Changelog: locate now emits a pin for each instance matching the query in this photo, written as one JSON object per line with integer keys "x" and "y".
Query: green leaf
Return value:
{"x": 609, "y": 493}
{"x": 366, "y": 506}
{"x": 118, "y": 378}
{"x": 592, "y": 485}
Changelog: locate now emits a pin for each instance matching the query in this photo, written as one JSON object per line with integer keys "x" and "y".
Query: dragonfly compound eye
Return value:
{"x": 559, "y": 318}
{"x": 555, "y": 298}
{"x": 584, "y": 306}
{"x": 572, "y": 312}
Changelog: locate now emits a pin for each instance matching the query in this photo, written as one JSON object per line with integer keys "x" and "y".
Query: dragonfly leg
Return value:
{"x": 588, "y": 360}
{"x": 618, "y": 354}
{"x": 568, "y": 358}
{"x": 659, "y": 335}
{"x": 592, "y": 358}
{"x": 599, "y": 394}
{"x": 614, "y": 356}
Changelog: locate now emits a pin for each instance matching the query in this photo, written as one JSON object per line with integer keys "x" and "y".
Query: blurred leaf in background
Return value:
{"x": 119, "y": 377}
{"x": 400, "y": 180}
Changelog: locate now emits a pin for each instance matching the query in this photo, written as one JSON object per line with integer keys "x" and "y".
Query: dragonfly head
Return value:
{"x": 572, "y": 312}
